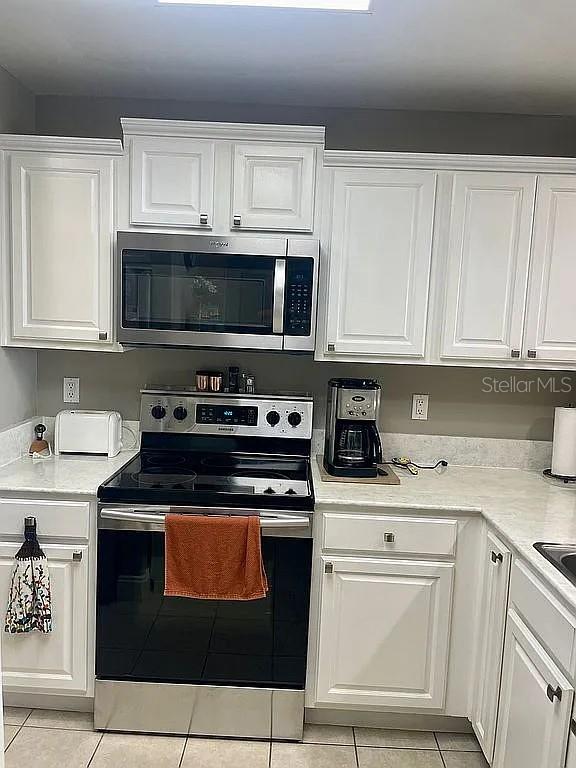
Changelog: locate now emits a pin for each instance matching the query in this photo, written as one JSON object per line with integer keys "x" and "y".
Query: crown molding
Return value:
{"x": 297, "y": 134}
{"x": 445, "y": 162}
{"x": 16, "y": 143}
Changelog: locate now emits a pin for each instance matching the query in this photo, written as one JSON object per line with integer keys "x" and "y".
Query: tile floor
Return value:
{"x": 47, "y": 739}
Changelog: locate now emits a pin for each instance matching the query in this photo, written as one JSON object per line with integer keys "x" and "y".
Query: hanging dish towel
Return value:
{"x": 29, "y": 601}
{"x": 214, "y": 558}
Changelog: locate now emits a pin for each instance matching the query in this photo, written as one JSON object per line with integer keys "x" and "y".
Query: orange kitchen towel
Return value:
{"x": 214, "y": 558}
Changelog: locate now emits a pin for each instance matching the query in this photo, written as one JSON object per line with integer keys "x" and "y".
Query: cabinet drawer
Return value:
{"x": 547, "y": 619}
{"x": 57, "y": 519}
{"x": 390, "y": 534}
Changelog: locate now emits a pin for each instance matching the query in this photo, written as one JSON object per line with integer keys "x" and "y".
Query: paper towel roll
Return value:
{"x": 564, "y": 445}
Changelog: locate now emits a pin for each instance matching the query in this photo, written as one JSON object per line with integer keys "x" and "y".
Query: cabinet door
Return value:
{"x": 571, "y": 755}
{"x": 491, "y": 642}
{"x": 380, "y": 253}
{"x": 535, "y": 704}
{"x": 551, "y": 317}
{"x": 487, "y": 268}
{"x": 273, "y": 187}
{"x": 384, "y": 632}
{"x": 172, "y": 182}
{"x": 56, "y": 661}
{"x": 62, "y": 236}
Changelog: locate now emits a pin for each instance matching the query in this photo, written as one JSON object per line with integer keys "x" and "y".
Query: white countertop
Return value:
{"x": 523, "y": 507}
{"x": 78, "y": 475}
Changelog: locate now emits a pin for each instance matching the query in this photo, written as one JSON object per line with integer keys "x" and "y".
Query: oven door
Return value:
{"x": 185, "y": 290}
{"x": 143, "y": 636}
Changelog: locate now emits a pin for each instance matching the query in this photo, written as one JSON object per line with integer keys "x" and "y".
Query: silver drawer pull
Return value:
{"x": 496, "y": 558}
{"x": 389, "y": 538}
{"x": 237, "y": 220}
{"x": 203, "y": 218}
{"x": 328, "y": 567}
{"x": 77, "y": 557}
{"x": 102, "y": 336}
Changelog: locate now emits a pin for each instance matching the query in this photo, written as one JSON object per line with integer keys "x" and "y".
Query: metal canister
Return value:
{"x": 215, "y": 381}
{"x": 202, "y": 380}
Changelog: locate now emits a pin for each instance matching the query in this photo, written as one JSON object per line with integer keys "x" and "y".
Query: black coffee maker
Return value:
{"x": 352, "y": 444}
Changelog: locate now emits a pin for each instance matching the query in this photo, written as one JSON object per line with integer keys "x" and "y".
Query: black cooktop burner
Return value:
{"x": 156, "y": 479}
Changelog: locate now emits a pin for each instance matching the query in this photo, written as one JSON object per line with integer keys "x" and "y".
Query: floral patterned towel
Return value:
{"x": 29, "y": 602}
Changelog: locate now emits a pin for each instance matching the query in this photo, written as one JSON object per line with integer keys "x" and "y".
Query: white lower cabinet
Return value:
{"x": 571, "y": 756}
{"x": 497, "y": 561}
{"x": 384, "y": 632}
{"x": 535, "y": 704}
{"x": 58, "y": 661}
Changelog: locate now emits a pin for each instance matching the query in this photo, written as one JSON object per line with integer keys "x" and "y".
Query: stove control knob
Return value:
{"x": 180, "y": 413}
{"x": 294, "y": 419}
{"x": 158, "y": 412}
{"x": 290, "y": 492}
{"x": 269, "y": 490}
{"x": 272, "y": 417}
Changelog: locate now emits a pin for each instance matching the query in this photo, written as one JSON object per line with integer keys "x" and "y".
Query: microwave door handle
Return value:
{"x": 279, "y": 291}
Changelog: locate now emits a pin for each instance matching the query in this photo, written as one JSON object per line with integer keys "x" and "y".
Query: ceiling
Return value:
{"x": 485, "y": 55}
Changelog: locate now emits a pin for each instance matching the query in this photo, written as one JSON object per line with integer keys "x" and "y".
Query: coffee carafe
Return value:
{"x": 352, "y": 443}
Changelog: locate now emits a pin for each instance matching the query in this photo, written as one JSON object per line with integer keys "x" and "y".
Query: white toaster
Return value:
{"x": 98, "y": 432}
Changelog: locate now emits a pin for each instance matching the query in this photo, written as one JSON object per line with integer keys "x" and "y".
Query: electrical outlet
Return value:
{"x": 71, "y": 390}
{"x": 420, "y": 407}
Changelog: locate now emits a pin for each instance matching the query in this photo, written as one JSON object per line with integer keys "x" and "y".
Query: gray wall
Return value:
{"x": 17, "y": 366}
{"x": 458, "y": 404}
{"x": 466, "y": 132}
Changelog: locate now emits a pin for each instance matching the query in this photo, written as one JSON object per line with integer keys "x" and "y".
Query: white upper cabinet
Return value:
{"x": 172, "y": 181}
{"x": 487, "y": 265}
{"x": 551, "y": 315}
{"x": 380, "y": 248}
{"x": 61, "y": 248}
{"x": 384, "y": 632}
{"x": 273, "y": 187}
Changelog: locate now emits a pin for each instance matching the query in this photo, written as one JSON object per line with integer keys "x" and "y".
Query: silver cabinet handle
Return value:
{"x": 328, "y": 567}
{"x": 279, "y": 289}
{"x": 532, "y": 354}
{"x": 554, "y": 693}
{"x": 515, "y": 353}
{"x": 331, "y": 347}
{"x": 573, "y": 726}
{"x": 203, "y": 218}
{"x": 237, "y": 220}
{"x": 389, "y": 538}
{"x": 496, "y": 558}
{"x": 102, "y": 336}
{"x": 77, "y": 557}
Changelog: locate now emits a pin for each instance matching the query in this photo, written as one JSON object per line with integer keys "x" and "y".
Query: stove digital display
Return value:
{"x": 227, "y": 414}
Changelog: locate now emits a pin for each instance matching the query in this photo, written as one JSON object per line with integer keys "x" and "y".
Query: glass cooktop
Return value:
{"x": 166, "y": 477}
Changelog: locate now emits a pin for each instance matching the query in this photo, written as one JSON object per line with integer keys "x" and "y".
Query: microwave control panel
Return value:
{"x": 298, "y": 299}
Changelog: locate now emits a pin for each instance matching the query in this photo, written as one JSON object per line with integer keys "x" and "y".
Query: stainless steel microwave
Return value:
{"x": 202, "y": 290}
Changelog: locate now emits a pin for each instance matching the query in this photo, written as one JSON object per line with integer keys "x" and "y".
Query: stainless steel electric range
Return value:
{"x": 179, "y": 665}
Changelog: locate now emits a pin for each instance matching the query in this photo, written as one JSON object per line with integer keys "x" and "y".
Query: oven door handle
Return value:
{"x": 279, "y": 291}
{"x": 267, "y": 520}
